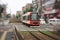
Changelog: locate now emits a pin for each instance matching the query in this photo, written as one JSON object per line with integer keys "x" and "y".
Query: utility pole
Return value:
{"x": 34, "y": 6}
{"x": 39, "y": 10}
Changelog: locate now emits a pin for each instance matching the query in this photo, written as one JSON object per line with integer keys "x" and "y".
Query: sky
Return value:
{"x": 14, "y": 5}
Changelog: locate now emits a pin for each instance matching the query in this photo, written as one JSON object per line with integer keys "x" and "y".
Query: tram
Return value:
{"x": 30, "y": 19}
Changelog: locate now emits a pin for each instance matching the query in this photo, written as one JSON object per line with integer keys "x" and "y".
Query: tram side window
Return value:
{"x": 28, "y": 17}
{"x": 24, "y": 17}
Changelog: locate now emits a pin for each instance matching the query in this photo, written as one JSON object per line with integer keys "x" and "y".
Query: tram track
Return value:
{"x": 24, "y": 35}
{"x": 29, "y": 36}
{"x": 41, "y": 36}
{"x": 54, "y": 32}
{"x": 52, "y": 35}
{"x": 35, "y": 35}
{"x": 32, "y": 35}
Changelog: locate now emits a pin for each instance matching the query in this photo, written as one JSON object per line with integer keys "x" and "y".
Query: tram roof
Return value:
{"x": 28, "y": 13}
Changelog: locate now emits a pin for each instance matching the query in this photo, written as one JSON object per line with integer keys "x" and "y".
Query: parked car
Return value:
{"x": 54, "y": 21}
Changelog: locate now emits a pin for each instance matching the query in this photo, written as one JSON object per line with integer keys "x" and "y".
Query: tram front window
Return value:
{"x": 34, "y": 17}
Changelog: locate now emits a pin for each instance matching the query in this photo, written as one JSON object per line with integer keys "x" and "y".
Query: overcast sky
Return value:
{"x": 14, "y": 5}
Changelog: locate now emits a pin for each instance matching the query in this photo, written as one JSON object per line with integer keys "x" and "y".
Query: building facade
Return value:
{"x": 26, "y": 7}
{"x": 44, "y": 7}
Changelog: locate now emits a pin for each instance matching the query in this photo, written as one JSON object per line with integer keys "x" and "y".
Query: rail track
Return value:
{"x": 35, "y": 35}
{"x": 57, "y": 33}
{"x": 50, "y": 34}
{"x": 41, "y": 36}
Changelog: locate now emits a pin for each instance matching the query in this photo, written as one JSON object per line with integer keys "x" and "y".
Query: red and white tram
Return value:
{"x": 31, "y": 19}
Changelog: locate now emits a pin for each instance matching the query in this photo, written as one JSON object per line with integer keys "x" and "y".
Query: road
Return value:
{"x": 6, "y": 32}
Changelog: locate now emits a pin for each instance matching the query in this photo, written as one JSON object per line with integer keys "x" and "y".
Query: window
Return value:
{"x": 24, "y": 17}
{"x": 34, "y": 16}
{"x": 28, "y": 17}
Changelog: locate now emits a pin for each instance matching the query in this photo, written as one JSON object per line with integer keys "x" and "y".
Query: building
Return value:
{"x": 43, "y": 6}
{"x": 26, "y": 7}
{"x": 47, "y": 6}
{"x": 18, "y": 13}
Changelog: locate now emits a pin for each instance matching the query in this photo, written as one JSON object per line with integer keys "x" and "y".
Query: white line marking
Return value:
{"x": 4, "y": 35}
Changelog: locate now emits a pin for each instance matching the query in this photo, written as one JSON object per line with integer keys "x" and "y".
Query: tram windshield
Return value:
{"x": 34, "y": 17}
